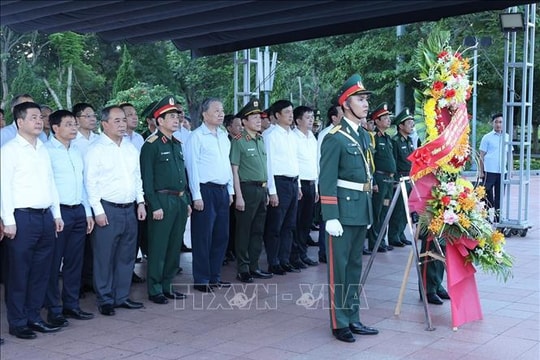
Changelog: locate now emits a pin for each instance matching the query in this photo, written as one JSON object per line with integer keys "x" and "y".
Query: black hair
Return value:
{"x": 19, "y": 111}
{"x": 279, "y": 105}
{"x": 105, "y": 112}
{"x": 16, "y": 99}
{"x": 332, "y": 111}
{"x": 496, "y": 115}
{"x": 56, "y": 117}
{"x": 299, "y": 111}
{"x": 79, "y": 108}
{"x": 228, "y": 120}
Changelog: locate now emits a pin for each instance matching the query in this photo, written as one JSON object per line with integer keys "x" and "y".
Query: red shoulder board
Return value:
{"x": 237, "y": 137}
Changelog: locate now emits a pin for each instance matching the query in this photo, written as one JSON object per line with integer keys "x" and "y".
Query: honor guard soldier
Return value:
{"x": 165, "y": 188}
{"x": 403, "y": 147}
{"x": 345, "y": 192}
{"x": 385, "y": 169}
{"x": 248, "y": 161}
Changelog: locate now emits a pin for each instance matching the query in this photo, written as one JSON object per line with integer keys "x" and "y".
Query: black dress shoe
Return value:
{"x": 220, "y": 284}
{"x": 276, "y": 270}
{"x": 203, "y": 288}
{"x": 22, "y": 332}
{"x": 77, "y": 314}
{"x": 344, "y": 334}
{"x": 434, "y": 299}
{"x": 406, "y": 242}
{"x": 361, "y": 329}
{"x": 244, "y": 277}
{"x": 310, "y": 242}
{"x": 259, "y": 274}
{"x": 130, "y": 304}
{"x": 443, "y": 294}
{"x": 398, "y": 244}
{"x": 310, "y": 262}
{"x": 136, "y": 279}
{"x": 174, "y": 295}
{"x": 106, "y": 309}
{"x": 289, "y": 268}
{"x": 179, "y": 271}
{"x": 389, "y": 247}
{"x": 366, "y": 252}
{"x": 43, "y": 327}
{"x": 322, "y": 259}
{"x": 57, "y": 320}
{"x": 158, "y": 299}
{"x": 185, "y": 248}
{"x": 299, "y": 264}
{"x": 382, "y": 249}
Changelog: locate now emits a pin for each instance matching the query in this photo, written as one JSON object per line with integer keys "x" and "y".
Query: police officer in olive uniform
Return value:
{"x": 248, "y": 161}
{"x": 403, "y": 147}
{"x": 165, "y": 189}
{"x": 385, "y": 169}
{"x": 345, "y": 192}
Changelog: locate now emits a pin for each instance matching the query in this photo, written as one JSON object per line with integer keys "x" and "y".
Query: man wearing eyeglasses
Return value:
{"x": 85, "y": 114}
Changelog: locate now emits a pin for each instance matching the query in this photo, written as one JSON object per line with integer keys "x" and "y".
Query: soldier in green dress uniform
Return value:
{"x": 403, "y": 147}
{"x": 248, "y": 161}
{"x": 345, "y": 192}
{"x": 166, "y": 192}
{"x": 385, "y": 169}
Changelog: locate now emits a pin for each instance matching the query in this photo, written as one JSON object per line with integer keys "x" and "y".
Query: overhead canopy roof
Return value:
{"x": 212, "y": 27}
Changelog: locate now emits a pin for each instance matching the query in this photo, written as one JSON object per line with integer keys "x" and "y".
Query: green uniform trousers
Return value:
{"x": 398, "y": 220}
{"x": 344, "y": 255}
{"x": 164, "y": 243}
{"x": 250, "y": 227}
{"x": 432, "y": 270}
{"x": 381, "y": 202}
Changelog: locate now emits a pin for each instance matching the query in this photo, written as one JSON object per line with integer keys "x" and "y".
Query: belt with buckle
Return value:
{"x": 33, "y": 210}
{"x": 353, "y": 185}
{"x": 123, "y": 206}
{"x": 70, "y": 206}
{"x": 171, "y": 192}
{"x": 384, "y": 173}
{"x": 255, "y": 183}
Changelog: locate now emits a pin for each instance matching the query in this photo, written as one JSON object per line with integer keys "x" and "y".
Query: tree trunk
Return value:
{"x": 53, "y": 94}
{"x": 8, "y": 40}
{"x": 69, "y": 86}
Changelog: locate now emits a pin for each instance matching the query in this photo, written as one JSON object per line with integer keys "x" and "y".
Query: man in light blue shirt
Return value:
{"x": 210, "y": 181}
{"x": 67, "y": 164}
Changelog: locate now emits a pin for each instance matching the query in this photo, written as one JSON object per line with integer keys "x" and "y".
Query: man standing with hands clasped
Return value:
{"x": 165, "y": 189}
{"x": 30, "y": 211}
{"x": 345, "y": 191}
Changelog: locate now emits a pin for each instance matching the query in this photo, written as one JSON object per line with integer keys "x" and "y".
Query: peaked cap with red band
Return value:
{"x": 168, "y": 103}
{"x": 379, "y": 111}
{"x": 353, "y": 86}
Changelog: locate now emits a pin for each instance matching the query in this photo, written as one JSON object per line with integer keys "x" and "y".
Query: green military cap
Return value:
{"x": 379, "y": 111}
{"x": 168, "y": 103}
{"x": 352, "y": 86}
{"x": 147, "y": 112}
{"x": 252, "y": 107}
{"x": 403, "y": 116}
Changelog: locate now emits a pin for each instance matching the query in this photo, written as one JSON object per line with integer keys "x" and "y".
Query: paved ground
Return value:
{"x": 275, "y": 322}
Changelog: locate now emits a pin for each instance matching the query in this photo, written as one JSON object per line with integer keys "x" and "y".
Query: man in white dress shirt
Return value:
{"x": 68, "y": 166}
{"x": 30, "y": 211}
{"x": 308, "y": 170}
{"x": 211, "y": 184}
{"x": 283, "y": 188}
{"x": 114, "y": 187}
{"x": 10, "y": 131}
{"x": 132, "y": 123}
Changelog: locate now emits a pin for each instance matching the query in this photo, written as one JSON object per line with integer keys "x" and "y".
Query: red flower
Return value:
{"x": 446, "y": 200}
{"x": 438, "y": 85}
{"x": 442, "y": 54}
{"x": 457, "y": 55}
{"x": 450, "y": 93}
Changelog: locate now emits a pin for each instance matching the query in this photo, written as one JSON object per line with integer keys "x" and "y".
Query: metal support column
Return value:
{"x": 517, "y": 116}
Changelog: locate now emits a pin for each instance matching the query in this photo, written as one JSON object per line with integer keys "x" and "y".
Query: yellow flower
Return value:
{"x": 482, "y": 242}
{"x": 480, "y": 192}
{"x": 464, "y": 221}
{"x": 436, "y": 225}
{"x": 497, "y": 237}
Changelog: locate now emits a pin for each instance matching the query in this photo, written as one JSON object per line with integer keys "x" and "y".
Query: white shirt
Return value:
{"x": 320, "y": 139}
{"x": 306, "y": 155}
{"x": 207, "y": 159}
{"x": 491, "y": 144}
{"x": 112, "y": 173}
{"x": 83, "y": 143}
{"x": 136, "y": 139}
{"x": 9, "y": 132}
{"x": 68, "y": 172}
{"x": 182, "y": 135}
{"x": 26, "y": 179}
{"x": 281, "y": 155}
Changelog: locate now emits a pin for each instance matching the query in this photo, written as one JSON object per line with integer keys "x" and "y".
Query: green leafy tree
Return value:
{"x": 125, "y": 78}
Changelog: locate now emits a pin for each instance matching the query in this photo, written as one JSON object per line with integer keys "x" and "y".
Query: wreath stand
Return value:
{"x": 414, "y": 255}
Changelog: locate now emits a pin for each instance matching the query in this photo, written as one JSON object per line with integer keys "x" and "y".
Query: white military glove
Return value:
{"x": 333, "y": 227}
